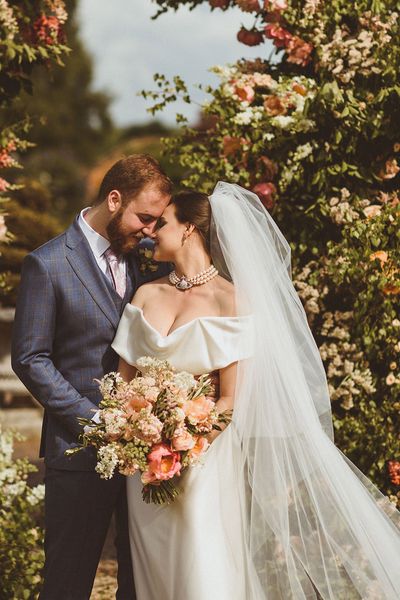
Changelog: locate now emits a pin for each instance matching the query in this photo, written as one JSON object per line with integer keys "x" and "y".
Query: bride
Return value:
{"x": 275, "y": 511}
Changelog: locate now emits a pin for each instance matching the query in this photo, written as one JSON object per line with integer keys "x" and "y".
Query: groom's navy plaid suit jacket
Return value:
{"x": 66, "y": 318}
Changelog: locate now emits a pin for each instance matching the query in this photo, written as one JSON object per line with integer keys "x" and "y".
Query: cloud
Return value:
{"x": 128, "y": 48}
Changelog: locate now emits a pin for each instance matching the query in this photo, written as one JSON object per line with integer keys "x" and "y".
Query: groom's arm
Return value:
{"x": 32, "y": 347}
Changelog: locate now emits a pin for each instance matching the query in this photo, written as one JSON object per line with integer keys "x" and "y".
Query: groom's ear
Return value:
{"x": 114, "y": 201}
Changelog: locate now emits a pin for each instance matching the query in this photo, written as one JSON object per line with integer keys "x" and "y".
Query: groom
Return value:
{"x": 72, "y": 293}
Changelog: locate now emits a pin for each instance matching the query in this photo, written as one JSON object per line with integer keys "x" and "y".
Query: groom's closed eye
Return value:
{"x": 160, "y": 223}
{"x": 147, "y": 219}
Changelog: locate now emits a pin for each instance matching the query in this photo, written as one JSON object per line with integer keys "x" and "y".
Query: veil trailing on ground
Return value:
{"x": 314, "y": 525}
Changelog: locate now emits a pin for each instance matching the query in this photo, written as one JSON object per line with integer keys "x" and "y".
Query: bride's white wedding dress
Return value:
{"x": 276, "y": 512}
{"x": 192, "y": 549}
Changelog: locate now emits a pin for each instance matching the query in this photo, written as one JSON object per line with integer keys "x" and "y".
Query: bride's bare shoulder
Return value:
{"x": 146, "y": 291}
{"x": 225, "y": 293}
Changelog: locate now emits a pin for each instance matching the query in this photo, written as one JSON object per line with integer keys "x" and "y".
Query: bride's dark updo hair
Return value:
{"x": 194, "y": 207}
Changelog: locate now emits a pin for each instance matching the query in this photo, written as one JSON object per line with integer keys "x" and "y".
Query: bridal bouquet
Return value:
{"x": 155, "y": 424}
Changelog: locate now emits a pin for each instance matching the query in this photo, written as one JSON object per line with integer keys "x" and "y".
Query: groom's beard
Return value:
{"x": 121, "y": 242}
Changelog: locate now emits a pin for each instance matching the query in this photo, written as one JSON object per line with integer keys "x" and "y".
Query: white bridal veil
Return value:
{"x": 314, "y": 525}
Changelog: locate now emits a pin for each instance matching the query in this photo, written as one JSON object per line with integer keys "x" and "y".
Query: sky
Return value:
{"x": 128, "y": 48}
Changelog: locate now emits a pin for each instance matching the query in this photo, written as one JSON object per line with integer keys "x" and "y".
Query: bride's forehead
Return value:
{"x": 169, "y": 211}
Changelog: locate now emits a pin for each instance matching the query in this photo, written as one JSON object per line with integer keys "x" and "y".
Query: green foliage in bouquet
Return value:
{"x": 21, "y": 538}
{"x": 156, "y": 424}
{"x": 312, "y": 128}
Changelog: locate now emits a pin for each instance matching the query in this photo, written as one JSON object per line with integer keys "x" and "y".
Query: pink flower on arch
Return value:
{"x": 278, "y": 34}
{"x": 299, "y": 51}
{"x": 250, "y": 37}
{"x": 246, "y": 93}
{"x": 265, "y": 191}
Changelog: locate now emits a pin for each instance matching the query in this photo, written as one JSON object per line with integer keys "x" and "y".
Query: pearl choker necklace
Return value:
{"x": 185, "y": 283}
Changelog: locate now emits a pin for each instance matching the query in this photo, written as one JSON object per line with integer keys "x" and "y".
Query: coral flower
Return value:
{"x": 163, "y": 463}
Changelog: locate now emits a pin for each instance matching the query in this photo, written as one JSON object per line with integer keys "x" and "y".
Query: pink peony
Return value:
{"x": 299, "y": 51}
{"x": 265, "y": 191}
{"x": 250, "y": 37}
{"x": 199, "y": 409}
{"x": 278, "y": 34}
{"x": 163, "y": 464}
{"x": 183, "y": 440}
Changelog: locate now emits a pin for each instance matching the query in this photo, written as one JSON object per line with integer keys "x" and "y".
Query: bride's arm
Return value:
{"x": 126, "y": 370}
{"x": 227, "y": 383}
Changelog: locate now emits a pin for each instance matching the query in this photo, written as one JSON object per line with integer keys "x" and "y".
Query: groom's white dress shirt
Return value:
{"x": 98, "y": 245}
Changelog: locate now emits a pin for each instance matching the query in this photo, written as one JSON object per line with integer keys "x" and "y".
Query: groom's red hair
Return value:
{"x": 131, "y": 174}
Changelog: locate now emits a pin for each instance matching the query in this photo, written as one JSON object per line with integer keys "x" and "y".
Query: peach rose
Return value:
{"x": 163, "y": 464}
{"x": 381, "y": 255}
{"x": 199, "y": 448}
{"x": 299, "y": 51}
{"x": 273, "y": 106}
{"x": 390, "y": 169}
{"x": 231, "y": 145}
{"x": 183, "y": 440}
{"x": 372, "y": 211}
{"x": 199, "y": 409}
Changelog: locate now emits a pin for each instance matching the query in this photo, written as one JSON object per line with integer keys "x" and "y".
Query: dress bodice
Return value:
{"x": 202, "y": 345}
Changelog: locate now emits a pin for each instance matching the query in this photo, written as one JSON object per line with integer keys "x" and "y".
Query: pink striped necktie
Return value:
{"x": 117, "y": 272}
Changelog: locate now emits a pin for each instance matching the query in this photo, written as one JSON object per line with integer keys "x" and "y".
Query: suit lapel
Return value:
{"x": 82, "y": 261}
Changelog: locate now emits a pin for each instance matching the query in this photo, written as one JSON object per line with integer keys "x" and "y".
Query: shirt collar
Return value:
{"x": 97, "y": 242}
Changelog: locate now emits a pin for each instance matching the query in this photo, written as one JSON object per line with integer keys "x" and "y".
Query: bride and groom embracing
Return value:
{"x": 275, "y": 511}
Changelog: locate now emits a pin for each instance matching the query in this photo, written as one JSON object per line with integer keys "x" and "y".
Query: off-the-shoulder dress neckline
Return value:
{"x": 185, "y": 325}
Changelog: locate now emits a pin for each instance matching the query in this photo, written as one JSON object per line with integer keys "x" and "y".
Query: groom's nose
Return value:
{"x": 149, "y": 230}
